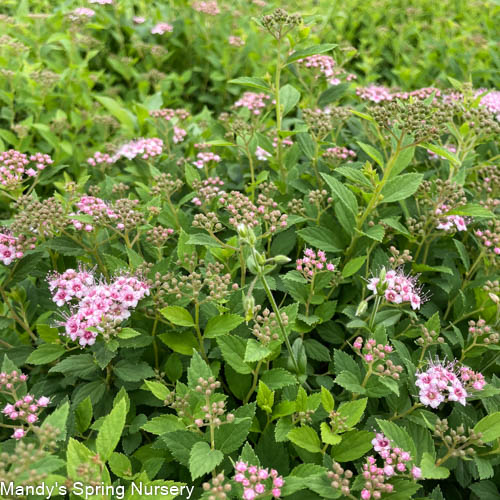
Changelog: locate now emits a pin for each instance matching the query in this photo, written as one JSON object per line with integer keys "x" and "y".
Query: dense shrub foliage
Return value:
{"x": 249, "y": 253}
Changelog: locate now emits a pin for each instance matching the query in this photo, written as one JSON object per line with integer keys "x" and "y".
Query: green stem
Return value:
{"x": 254, "y": 382}
{"x": 198, "y": 331}
{"x": 155, "y": 345}
{"x": 277, "y": 78}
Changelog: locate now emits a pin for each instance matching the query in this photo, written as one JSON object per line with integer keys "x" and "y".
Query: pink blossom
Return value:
{"x": 162, "y": 28}
{"x": 19, "y": 433}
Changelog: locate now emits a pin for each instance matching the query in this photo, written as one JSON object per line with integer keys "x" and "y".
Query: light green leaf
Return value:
{"x": 220, "y": 325}
{"x": 111, "y": 430}
{"x": 305, "y": 437}
{"x": 353, "y": 266}
{"x": 430, "y": 470}
{"x": 401, "y": 187}
{"x": 353, "y": 446}
{"x": 310, "y": 51}
{"x": 489, "y": 427}
{"x": 178, "y": 315}
{"x": 289, "y": 97}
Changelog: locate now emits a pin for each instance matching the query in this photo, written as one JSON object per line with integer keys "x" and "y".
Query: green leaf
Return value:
{"x": 355, "y": 176}
{"x": 197, "y": 368}
{"x": 306, "y": 144}
{"x": 120, "y": 465}
{"x": 203, "y": 460}
{"x": 310, "y": 51}
{"x": 123, "y": 115}
{"x": 401, "y": 187}
{"x": 163, "y": 424}
{"x": 430, "y": 470}
{"x": 462, "y": 251}
{"x": 305, "y": 437}
{"x": 133, "y": 372}
{"x": 128, "y": 333}
{"x": 328, "y": 436}
{"x": 402, "y": 161}
{"x": 255, "y": 351}
{"x": 265, "y": 397}
{"x": 181, "y": 342}
{"x": 441, "y": 152}
{"x": 158, "y": 389}
{"x": 230, "y": 437}
{"x": 46, "y": 353}
{"x": 352, "y": 411}
{"x": 233, "y": 351}
{"x": 76, "y": 454}
{"x": 111, "y": 430}
{"x": 204, "y": 240}
{"x": 80, "y": 365}
{"x": 349, "y": 381}
{"x": 289, "y": 97}
{"x": 353, "y": 446}
{"x": 372, "y": 153}
{"x": 83, "y": 415}
{"x": 58, "y": 420}
{"x": 471, "y": 210}
{"x": 342, "y": 193}
{"x": 277, "y": 378}
{"x": 485, "y": 490}
{"x": 255, "y": 83}
{"x": 489, "y": 427}
{"x": 321, "y": 237}
{"x": 178, "y": 315}
{"x": 180, "y": 444}
{"x": 332, "y": 94}
{"x": 327, "y": 400}
{"x": 353, "y": 266}
{"x": 220, "y": 325}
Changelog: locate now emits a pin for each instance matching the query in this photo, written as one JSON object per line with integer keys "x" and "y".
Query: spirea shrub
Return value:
{"x": 269, "y": 276}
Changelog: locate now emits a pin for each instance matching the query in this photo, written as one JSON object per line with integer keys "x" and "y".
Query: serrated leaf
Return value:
{"x": 305, "y": 437}
{"x": 178, "y": 315}
{"x": 489, "y": 427}
{"x": 328, "y": 436}
{"x": 353, "y": 446}
{"x": 401, "y": 187}
{"x": 220, "y": 325}
{"x": 203, "y": 460}
{"x": 111, "y": 430}
{"x": 46, "y": 353}
{"x": 353, "y": 411}
{"x": 430, "y": 470}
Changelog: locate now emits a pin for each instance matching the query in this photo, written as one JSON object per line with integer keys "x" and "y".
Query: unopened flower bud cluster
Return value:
{"x": 376, "y": 357}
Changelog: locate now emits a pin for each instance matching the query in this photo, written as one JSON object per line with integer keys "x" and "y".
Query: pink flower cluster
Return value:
{"x": 81, "y": 13}
{"x": 204, "y": 158}
{"x": 9, "y": 249}
{"x": 236, "y": 41}
{"x": 211, "y": 8}
{"x": 179, "y": 134}
{"x": 26, "y": 408}
{"x": 95, "y": 207}
{"x": 441, "y": 382}
{"x": 210, "y": 188}
{"x": 253, "y": 101}
{"x": 313, "y": 263}
{"x": 139, "y": 19}
{"x": 395, "y": 461}
{"x": 95, "y": 302}
{"x": 262, "y": 154}
{"x": 491, "y": 101}
{"x": 434, "y": 156}
{"x": 459, "y": 222}
{"x": 374, "y": 93}
{"x": 340, "y": 153}
{"x": 162, "y": 28}
{"x": 143, "y": 148}
{"x": 286, "y": 141}
{"x": 257, "y": 481}
{"x": 397, "y": 288}
{"x": 327, "y": 67}
{"x": 14, "y": 165}
{"x": 490, "y": 240}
